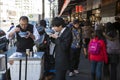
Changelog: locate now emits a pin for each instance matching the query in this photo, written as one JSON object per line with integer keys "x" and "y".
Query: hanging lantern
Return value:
{"x": 77, "y": 9}
{"x": 80, "y": 8}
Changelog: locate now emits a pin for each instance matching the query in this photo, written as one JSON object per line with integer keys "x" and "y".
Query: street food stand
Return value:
{"x": 35, "y": 66}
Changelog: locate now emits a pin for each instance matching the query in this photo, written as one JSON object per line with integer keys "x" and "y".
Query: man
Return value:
{"x": 62, "y": 47}
{"x": 12, "y": 40}
{"x": 12, "y": 26}
{"x": 26, "y": 42}
{"x": 75, "y": 47}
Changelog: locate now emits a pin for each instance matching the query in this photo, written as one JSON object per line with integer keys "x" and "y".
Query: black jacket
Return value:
{"x": 23, "y": 43}
{"x": 62, "y": 50}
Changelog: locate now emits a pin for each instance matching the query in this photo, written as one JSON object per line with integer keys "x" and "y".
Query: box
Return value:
{"x": 35, "y": 67}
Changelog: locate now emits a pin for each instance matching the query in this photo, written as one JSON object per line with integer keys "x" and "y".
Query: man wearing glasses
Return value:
{"x": 25, "y": 34}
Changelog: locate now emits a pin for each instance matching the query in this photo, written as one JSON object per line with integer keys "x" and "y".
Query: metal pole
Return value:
{"x": 26, "y": 67}
{"x": 0, "y": 12}
{"x": 43, "y": 9}
{"x": 20, "y": 69}
{"x": 6, "y": 66}
{"x": 50, "y": 11}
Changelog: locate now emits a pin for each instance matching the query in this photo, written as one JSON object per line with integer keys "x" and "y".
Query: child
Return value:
{"x": 97, "y": 55}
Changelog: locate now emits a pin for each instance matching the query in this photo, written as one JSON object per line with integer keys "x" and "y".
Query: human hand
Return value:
{"x": 28, "y": 34}
{"x": 16, "y": 29}
{"x": 54, "y": 36}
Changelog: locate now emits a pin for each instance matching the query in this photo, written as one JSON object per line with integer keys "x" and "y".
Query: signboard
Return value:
{"x": 34, "y": 17}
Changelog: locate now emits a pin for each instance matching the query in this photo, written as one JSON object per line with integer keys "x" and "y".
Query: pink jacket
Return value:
{"x": 103, "y": 53}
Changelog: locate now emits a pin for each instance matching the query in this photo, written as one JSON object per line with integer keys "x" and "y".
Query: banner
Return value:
{"x": 66, "y": 2}
{"x": 77, "y": 9}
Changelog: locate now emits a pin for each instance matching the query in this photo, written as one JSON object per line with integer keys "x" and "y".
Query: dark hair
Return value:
{"x": 24, "y": 18}
{"x": 12, "y": 23}
{"x": 58, "y": 21}
{"x": 43, "y": 23}
{"x": 109, "y": 27}
{"x": 76, "y": 21}
{"x": 99, "y": 34}
{"x": 111, "y": 30}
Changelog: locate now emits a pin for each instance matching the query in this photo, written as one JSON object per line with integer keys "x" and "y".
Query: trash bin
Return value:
{"x": 35, "y": 67}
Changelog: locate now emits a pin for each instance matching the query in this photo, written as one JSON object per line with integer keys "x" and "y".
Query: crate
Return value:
{"x": 35, "y": 67}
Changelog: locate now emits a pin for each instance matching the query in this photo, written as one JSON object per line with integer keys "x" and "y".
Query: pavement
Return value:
{"x": 84, "y": 67}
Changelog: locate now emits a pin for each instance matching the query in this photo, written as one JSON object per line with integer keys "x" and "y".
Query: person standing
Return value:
{"x": 62, "y": 47}
{"x": 97, "y": 54}
{"x": 26, "y": 42}
{"x": 11, "y": 41}
{"x": 117, "y": 25}
{"x": 75, "y": 47}
{"x": 87, "y": 34}
{"x": 113, "y": 50}
{"x": 12, "y": 26}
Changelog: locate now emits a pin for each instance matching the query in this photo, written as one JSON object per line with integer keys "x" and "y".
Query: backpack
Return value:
{"x": 94, "y": 47}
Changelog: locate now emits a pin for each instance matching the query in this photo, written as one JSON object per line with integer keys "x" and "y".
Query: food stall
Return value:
{"x": 35, "y": 66}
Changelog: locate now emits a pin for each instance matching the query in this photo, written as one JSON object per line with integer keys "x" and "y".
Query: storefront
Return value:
{"x": 108, "y": 10}
{"x": 93, "y": 10}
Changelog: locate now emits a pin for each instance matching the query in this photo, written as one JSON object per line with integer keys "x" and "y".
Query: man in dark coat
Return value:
{"x": 62, "y": 47}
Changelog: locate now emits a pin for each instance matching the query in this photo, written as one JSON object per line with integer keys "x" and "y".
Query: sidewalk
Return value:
{"x": 84, "y": 68}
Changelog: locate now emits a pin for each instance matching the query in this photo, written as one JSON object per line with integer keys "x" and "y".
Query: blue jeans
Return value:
{"x": 96, "y": 70}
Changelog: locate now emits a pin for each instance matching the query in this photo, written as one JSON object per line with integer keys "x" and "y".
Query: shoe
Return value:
{"x": 76, "y": 71}
{"x": 71, "y": 74}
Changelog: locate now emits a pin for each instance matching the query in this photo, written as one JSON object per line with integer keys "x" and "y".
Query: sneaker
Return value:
{"x": 76, "y": 71}
{"x": 71, "y": 74}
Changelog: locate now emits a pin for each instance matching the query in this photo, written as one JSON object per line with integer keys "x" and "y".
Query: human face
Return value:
{"x": 57, "y": 29}
{"x": 23, "y": 24}
{"x": 76, "y": 25}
